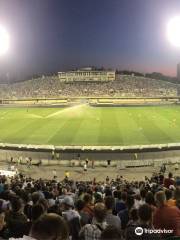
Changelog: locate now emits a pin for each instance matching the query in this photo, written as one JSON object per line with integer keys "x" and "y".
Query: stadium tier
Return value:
{"x": 122, "y": 86}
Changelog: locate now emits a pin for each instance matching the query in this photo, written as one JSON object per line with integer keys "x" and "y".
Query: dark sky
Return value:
{"x": 55, "y": 35}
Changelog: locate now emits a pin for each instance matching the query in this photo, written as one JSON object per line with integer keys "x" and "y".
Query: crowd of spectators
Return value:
{"x": 123, "y": 86}
{"x": 115, "y": 209}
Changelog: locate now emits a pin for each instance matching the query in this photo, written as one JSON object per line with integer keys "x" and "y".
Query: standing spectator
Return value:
{"x": 166, "y": 217}
{"x": 124, "y": 214}
{"x": 48, "y": 227}
{"x": 110, "y": 218}
{"x": 93, "y": 231}
{"x": 169, "y": 181}
{"x": 71, "y": 216}
{"x": 169, "y": 200}
{"x": 15, "y": 219}
{"x": 145, "y": 222}
{"x": 88, "y": 208}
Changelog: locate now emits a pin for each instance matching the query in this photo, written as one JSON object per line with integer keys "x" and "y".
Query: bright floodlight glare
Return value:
{"x": 173, "y": 31}
{"x": 4, "y": 40}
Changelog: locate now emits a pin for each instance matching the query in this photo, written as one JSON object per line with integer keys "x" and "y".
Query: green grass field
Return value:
{"x": 84, "y": 125}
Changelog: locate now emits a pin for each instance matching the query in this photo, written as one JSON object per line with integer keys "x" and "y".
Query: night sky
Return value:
{"x": 56, "y": 35}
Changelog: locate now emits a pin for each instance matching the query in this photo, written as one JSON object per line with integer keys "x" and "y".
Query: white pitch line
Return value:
{"x": 34, "y": 115}
{"x": 69, "y": 109}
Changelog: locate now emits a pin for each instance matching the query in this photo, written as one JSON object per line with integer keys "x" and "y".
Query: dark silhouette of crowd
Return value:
{"x": 123, "y": 86}
{"x": 89, "y": 210}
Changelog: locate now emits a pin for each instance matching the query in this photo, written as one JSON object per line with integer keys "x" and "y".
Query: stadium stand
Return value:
{"x": 123, "y": 86}
{"x": 60, "y": 210}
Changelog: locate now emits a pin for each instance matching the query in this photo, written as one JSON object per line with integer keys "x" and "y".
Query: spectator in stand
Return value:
{"x": 88, "y": 208}
{"x": 166, "y": 217}
{"x": 140, "y": 202}
{"x": 145, "y": 222}
{"x": 150, "y": 200}
{"x": 71, "y": 216}
{"x": 169, "y": 181}
{"x": 15, "y": 218}
{"x": 93, "y": 231}
{"x": 169, "y": 199}
{"x": 121, "y": 201}
{"x": 110, "y": 218}
{"x": 111, "y": 233}
{"x": 124, "y": 214}
{"x": 84, "y": 217}
{"x": 48, "y": 227}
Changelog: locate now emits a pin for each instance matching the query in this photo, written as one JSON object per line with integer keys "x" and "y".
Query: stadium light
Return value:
{"x": 4, "y": 40}
{"x": 173, "y": 31}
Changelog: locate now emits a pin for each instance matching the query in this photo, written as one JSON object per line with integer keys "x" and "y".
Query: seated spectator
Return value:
{"x": 93, "y": 231}
{"x": 169, "y": 181}
{"x": 166, "y": 217}
{"x": 110, "y": 218}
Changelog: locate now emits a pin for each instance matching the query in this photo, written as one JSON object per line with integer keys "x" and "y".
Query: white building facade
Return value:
{"x": 86, "y": 74}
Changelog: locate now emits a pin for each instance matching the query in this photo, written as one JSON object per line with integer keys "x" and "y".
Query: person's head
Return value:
{"x": 68, "y": 203}
{"x": 79, "y": 205}
{"x": 16, "y": 204}
{"x": 149, "y": 199}
{"x": 35, "y": 197}
{"x": 160, "y": 198}
{"x": 168, "y": 194}
{"x": 99, "y": 212}
{"x": 109, "y": 202}
{"x": 49, "y": 227}
{"x": 170, "y": 175}
{"x": 145, "y": 213}
{"x": 36, "y": 212}
{"x": 87, "y": 198}
{"x": 143, "y": 193}
{"x": 124, "y": 196}
{"x": 133, "y": 214}
{"x": 129, "y": 201}
{"x": 111, "y": 233}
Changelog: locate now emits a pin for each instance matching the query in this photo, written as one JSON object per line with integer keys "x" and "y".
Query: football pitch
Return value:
{"x": 85, "y": 125}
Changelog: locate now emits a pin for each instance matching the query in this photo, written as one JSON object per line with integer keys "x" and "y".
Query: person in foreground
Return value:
{"x": 48, "y": 227}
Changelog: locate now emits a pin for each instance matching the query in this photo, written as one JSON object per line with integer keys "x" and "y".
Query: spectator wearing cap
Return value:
{"x": 71, "y": 216}
{"x": 166, "y": 217}
{"x": 93, "y": 231}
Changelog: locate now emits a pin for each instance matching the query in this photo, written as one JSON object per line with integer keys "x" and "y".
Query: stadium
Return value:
{"x": 89, "y": 120}
{"x": 86, "y": 116}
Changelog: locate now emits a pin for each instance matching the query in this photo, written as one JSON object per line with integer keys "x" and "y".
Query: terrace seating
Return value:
{"x": 123, "y": 86}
